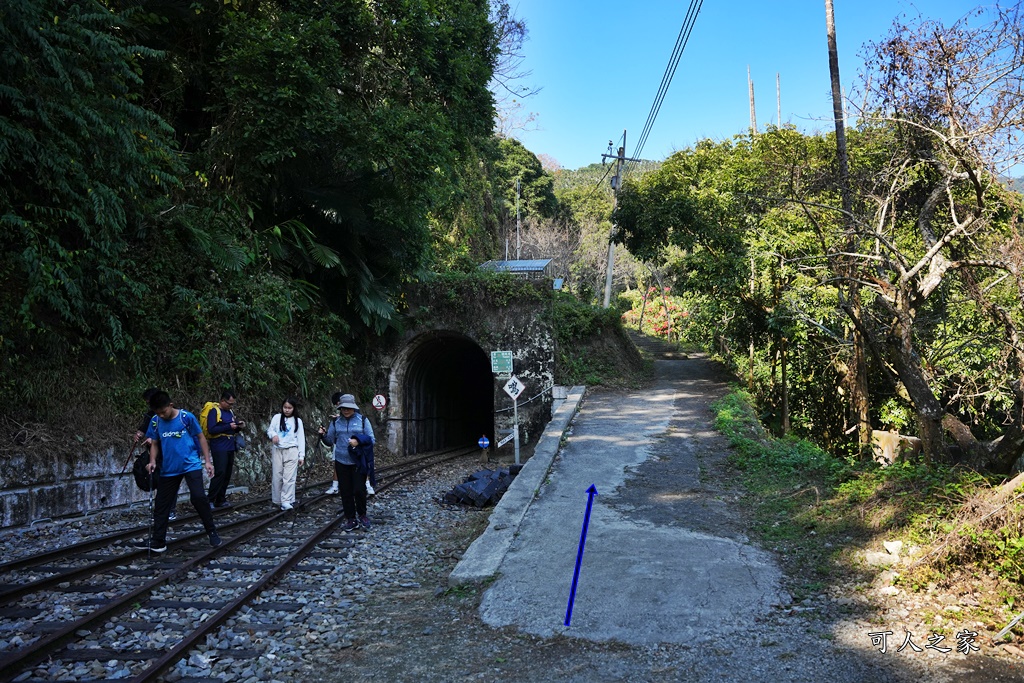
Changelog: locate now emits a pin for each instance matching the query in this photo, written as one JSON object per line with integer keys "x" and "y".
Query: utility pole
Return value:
{"x": 857, "y": 374}
{"x": 753, "y": 116}
{"x": 616, "y": 181}
{"x": 750, "y": 378}
{"x": 519, "y": 243}
{"x": 778, "y": 97}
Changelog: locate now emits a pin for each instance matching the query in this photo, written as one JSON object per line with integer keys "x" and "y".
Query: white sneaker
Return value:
{"x": 369, "y": 490}
{"x": 285, "y": 507}
{"x": 333, "y": 490}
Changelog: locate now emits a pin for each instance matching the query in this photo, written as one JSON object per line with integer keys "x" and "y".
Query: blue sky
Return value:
{"x": 599, "y": 65}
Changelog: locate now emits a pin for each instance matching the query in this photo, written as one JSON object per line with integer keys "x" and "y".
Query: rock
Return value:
{"x": 1013, "y": 650}
{"x": 893, "y": 547}
{"x": 877, "y": 559}
{"x": 198, "y": 660}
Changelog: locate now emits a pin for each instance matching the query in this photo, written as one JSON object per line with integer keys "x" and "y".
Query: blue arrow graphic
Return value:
{"x": 592, "y": 491}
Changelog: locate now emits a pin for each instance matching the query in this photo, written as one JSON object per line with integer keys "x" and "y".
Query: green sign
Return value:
{"x": 501, "y": 362}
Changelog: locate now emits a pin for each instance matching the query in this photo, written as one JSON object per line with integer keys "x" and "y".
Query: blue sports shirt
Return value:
{"x": 177, "y": 439}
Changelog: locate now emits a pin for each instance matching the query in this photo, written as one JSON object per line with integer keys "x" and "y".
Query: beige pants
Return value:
{"x": 285, "y": 463}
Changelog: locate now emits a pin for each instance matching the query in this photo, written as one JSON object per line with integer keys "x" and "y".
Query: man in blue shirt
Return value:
{"x": 176, "y": 437}
{"x": 222, "y": 427}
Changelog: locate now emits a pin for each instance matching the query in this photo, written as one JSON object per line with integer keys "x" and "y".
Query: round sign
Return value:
{"x": 379, "y": 402}
{"x": 483, "y": 442}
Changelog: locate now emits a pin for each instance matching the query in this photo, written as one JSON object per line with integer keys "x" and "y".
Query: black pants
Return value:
{"x": 223, "y": 464}
{"x": 167, "y": 496}
{"x": 352, "y": 487}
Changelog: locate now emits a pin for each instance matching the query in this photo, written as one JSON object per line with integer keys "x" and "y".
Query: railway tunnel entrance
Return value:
{"x": 444, "y": 386}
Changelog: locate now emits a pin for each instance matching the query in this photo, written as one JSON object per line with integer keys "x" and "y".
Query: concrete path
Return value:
{"x": 663, "y": 561}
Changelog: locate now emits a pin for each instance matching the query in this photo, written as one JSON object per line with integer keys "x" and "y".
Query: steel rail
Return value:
{"x": 233, "y": 606}
{"x": 31, "y": 654}
{"x": 449, "y": 455}
{"x": 420, "y": 458}
{"x": 100, "y": 541}
{"x": 73, "y": 573}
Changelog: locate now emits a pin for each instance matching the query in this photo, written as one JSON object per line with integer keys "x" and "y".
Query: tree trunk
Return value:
{"x": 930, "y": 412}
{"x": 859, "y": 400}
{"x": 785, "y": 389}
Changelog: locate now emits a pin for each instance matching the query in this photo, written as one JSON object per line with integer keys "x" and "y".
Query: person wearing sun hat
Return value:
{"x": 351, "y": 482}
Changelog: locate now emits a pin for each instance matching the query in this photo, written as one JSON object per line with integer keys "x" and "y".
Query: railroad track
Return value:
{"x": 167, "y": 605}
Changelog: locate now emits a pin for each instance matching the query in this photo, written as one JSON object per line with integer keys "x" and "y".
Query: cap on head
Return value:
{"x": 347, "y": 401}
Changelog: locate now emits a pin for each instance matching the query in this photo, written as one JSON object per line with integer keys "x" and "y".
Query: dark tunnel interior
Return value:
{"x": 449, "y": 395}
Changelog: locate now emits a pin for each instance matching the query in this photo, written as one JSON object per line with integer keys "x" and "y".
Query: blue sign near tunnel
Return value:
{"x": 484, "y": 442}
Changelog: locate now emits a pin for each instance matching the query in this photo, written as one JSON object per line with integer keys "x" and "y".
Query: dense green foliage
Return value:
{"x": 83, "y": 164}
{"x": 227, "y": 193}
{"x": 744, "y": 232}
{"x": 591, "y": 346}
{"x": 734, "y": 252}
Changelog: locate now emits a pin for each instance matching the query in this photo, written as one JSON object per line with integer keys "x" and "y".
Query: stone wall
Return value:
{"x": 33, "y": 488}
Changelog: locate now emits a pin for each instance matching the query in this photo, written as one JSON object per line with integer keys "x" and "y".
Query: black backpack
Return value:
{"x": 143, "y": 479}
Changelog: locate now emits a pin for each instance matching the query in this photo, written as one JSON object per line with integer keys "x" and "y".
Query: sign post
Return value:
{"x": 514, "y": 388}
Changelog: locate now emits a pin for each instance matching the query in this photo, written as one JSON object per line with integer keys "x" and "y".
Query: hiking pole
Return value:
{"x": 152, "y": 514}
{"x": 131, "y": 454}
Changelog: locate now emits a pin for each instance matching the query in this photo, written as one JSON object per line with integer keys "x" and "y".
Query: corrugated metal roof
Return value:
{"x": 521, "y": 266}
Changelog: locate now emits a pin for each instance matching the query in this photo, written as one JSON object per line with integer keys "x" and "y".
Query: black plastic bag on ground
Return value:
{"x": 482, "y": 488}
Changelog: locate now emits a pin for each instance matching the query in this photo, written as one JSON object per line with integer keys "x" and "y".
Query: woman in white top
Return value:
{"x": 287, "y": 452}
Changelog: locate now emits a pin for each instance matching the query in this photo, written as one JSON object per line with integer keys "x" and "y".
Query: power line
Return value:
{"x": 670, "y": 69}
{"x": 666, "y": 80}
{"x": 597, "y": 185}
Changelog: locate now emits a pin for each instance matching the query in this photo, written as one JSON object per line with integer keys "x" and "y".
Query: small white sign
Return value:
{"x": 379, "y": 402}
{"x": 506, "y": 439}
{"x": 513, "y": 387}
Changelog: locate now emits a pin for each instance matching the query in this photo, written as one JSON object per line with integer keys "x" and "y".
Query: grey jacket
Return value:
{"x": 341, "y": 430}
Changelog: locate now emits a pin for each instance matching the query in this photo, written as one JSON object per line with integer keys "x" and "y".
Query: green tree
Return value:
{"x": 516, "y": 163}
{"x": 84, "y": 165}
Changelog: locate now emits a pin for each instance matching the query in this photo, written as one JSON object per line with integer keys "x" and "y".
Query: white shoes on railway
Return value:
{"x": 333, "y": 490}
{"x": 369, "y": 489}
{"x": 285, "y": 507}
{"x": 146, "y": 544}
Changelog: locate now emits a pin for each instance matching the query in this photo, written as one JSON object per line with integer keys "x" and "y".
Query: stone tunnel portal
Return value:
{"x": 447, "y": 393}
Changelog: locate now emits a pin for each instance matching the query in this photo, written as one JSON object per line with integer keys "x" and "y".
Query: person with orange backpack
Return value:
{"x": 220, "y": 428}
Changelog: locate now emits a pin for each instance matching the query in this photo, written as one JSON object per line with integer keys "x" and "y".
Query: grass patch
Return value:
{"x": 817, "y": 511}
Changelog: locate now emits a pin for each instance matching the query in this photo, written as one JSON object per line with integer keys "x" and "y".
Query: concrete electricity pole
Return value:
{"x": 616, "y": 181}
{"x": 778, "y": 98}
{"x": 519, "y": 243}
{"x": 858, "y": 379}
{"x": 753, "y": 116}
